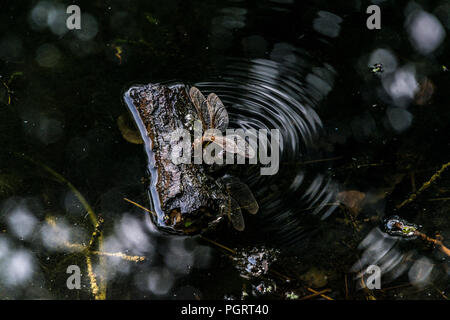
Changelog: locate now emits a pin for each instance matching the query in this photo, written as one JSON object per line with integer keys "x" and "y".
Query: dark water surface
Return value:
{"x": 354, "y": 145}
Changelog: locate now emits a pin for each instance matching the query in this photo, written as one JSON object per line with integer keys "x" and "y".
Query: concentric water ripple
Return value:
{"x": 283, "y": 95}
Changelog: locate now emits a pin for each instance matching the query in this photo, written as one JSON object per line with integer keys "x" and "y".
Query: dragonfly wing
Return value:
{"x": 242, "y": 194}
{"x": 235, "y": 144}
{"x": 201, "y": 105}
{"x": 218, "y": 114}
{"x": 235, "y": 215}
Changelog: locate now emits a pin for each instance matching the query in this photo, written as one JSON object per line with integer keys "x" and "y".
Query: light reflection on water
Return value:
{"x": 383, "y": 251}
{"x": 280, "y": 86}
{"x": 282, "y": 94}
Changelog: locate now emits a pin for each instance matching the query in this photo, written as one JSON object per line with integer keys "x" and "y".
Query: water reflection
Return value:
{"x": 160, "y": 281}
{"x": 403, "y": 85}
{"x": 132, "y": 236}
{"x": 21, "y": 221}
{"x": 425, "y": 31}
{"x": 379, "y": 249}
{"x": 48, "y": 56}
{"x": 420, "y": 274}
{"x": 327, "y": 24}
{"x": 58, "y": 233}
{"x": 283, "y": 94}
{"x": 17, "y": 263}
{"x": 386, "y": 252}
{"x": 282, "y": 85}
{"x": 17, "y": 268}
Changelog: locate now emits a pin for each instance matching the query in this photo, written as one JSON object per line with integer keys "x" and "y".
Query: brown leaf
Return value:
{"x": 425, "y": 93}
{"x": 352, "y": 200}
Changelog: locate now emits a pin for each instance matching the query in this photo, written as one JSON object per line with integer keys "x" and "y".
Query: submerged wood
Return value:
{"x": 185, "y": 197}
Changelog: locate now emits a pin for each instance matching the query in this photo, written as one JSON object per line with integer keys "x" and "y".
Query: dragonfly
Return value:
{"x": 213, "y": 115}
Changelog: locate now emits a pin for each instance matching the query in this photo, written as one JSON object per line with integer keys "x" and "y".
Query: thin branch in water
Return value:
{"x": 282, "y": 276}
{"x": 88, "y": 249}
{"x": 396, "y": 287}
{"x": 317, "y": 293}
{"x": 97, "y": 233}
{"x": 219, "y": 245}
{"x": 93, "y": 280}
{"x": 436, "y": 242}
{"x": 119, "y": 255}
{"x": 425, "y": 186}
{"x": 139, "y": 206}
{"x": 322, "y": 205}
{"x": 63, "y": 180}
{"x": 321, "y": 294}
{"x": 439, "y": 199}
{"x": 312, "y": 161}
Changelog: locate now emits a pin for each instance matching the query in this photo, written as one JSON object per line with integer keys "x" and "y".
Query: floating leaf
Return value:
{"x": 352, "y": 200}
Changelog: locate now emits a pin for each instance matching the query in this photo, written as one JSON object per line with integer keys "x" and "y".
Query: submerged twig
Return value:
{"x": 119, "y": 255}
{"x": 118, "y": 53}
{"x": 441, "y": 293}
{"x": 6, "y": 84}
{"x": 97, "y": 233}
{"x": 330, "y": 204}
{"x": 219, "y": 245}
{"x": 98, "y": 291}
{"x": 396, "y": 287}
{"x": 282, "y": 276}
{"x": 321, "y": 293}
{"x": 88, "y": 249}
{"x": 312, "y": 161}
{"x": 233, "y": 252}
{"x": 436, "y": 242}
{"x": 400, "y": 227}
{"x": 439, "y": 199}
{"x": 425, "y": 186}
{"x": 93, "y": 280}
{"x": 315, "y": 294}
{"x": 8, "y": 91}
{"x": 202, "y": 237}
{"x": 139, "y": 206}
{"x": 63, "y": 180}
